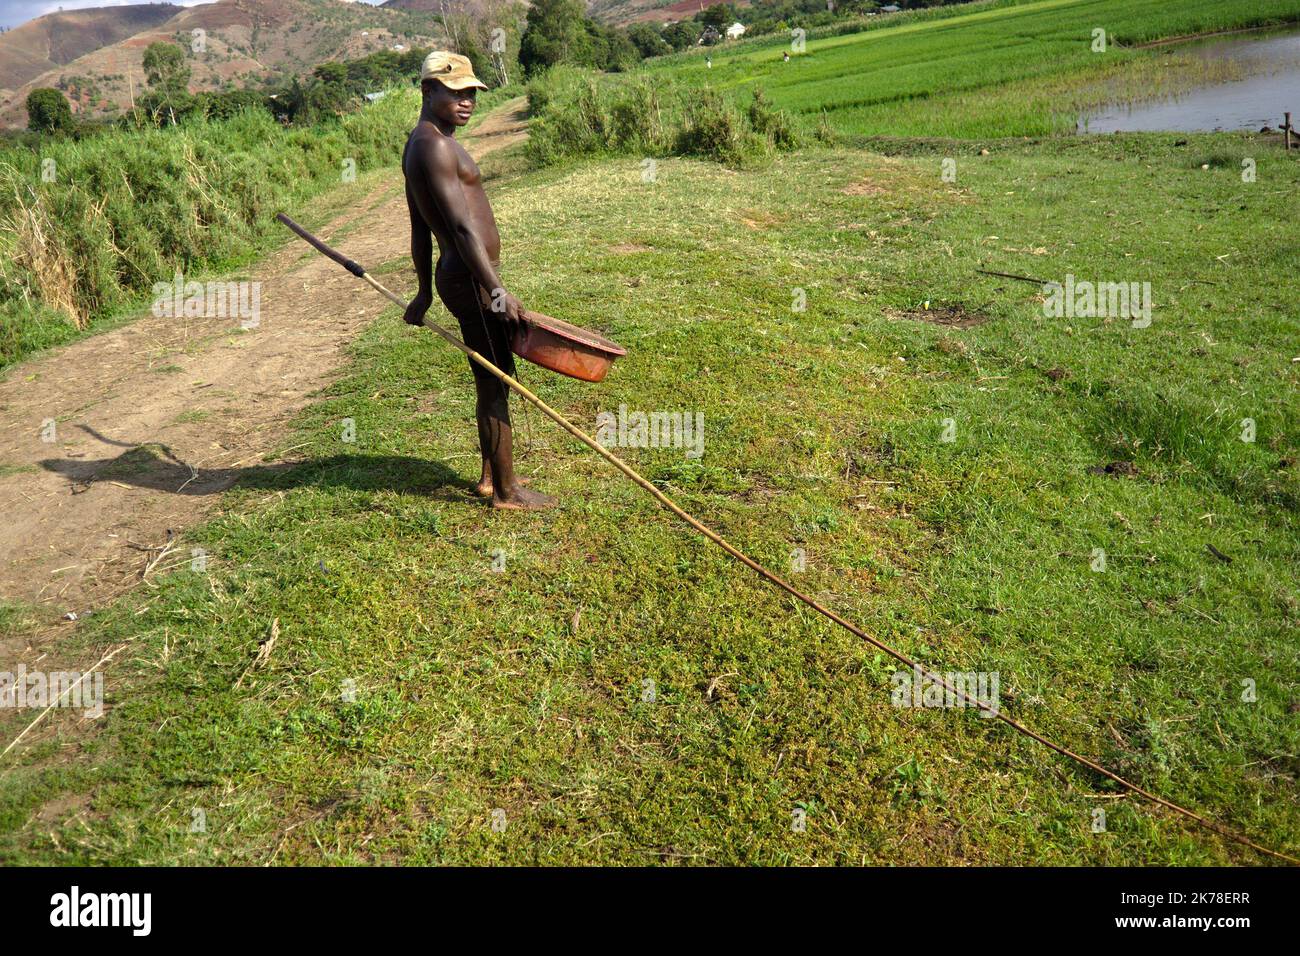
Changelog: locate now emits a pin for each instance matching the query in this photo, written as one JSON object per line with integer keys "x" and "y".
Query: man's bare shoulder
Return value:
{"x": 427, "y": 144}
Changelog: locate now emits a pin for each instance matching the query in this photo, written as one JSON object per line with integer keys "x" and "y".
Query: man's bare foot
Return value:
{"x": 484, "y": 487}
{"x": 521, "y": 499}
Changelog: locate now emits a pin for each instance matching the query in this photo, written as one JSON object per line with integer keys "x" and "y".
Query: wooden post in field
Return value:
{"x": 1286, "y": 130}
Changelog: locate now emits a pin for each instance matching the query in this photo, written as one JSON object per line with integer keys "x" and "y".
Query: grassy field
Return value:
{"x": 412, "y": 691}
{"x": 1002, "y": 69}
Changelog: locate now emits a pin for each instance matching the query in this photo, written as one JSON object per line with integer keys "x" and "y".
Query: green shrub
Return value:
{"x": 48, "y": 111}
{"x": 768, "y": 121}
{"x": 578, "y": 114}
{"x": 539, "y": 95}
{"x": 637, "y": 120}
{"x": 713, "y": 128}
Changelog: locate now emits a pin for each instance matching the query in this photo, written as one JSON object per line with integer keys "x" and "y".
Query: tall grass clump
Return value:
{"x": 766, "y": 120}
{"x": 577, "y": 113}
{"x": 128, "y": 208}
{"x": 1189, "y": 434}
{"x": 713, "y": 128}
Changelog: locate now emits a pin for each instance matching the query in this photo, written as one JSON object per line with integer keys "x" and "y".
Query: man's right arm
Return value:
{"x": 422, "y": 259}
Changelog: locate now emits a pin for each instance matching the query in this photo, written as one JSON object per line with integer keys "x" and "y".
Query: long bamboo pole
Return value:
{"x": 749, "y": 562}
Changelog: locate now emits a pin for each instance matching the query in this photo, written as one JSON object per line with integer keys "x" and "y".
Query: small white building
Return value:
{"x": 735, "y": 31}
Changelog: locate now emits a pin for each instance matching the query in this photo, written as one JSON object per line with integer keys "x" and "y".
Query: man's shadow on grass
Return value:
{"x": 155, "y": 467}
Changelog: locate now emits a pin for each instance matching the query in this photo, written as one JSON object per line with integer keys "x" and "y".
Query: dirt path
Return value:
{"x": 178, "y": 406}
{"x": 504, "y": 126}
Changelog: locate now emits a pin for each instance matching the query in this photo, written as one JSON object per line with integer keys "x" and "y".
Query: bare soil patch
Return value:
{"x": 948, "y": 316}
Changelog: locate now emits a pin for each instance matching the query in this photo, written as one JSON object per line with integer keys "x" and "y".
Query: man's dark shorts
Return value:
{"x": 481, "y": 329}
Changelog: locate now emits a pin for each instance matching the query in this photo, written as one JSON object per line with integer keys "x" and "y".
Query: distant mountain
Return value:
{"x": 243, "y": 43}
{"x": 472, "y": 7}
{"x": 610, "y": 12}
{"x": 626, "y": 12}
{"x": 56, "y": 39}
{"x": 428, "y": 6}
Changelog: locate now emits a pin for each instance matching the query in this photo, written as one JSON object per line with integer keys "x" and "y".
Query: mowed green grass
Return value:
{"x": 998, "y": 70}
{"x": 412, "y": 690}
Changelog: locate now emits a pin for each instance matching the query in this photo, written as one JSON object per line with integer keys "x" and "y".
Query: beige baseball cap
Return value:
{"x": 451, "y": 70}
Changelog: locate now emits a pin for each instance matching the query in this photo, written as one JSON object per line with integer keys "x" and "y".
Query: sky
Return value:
{"x": 15, "y": 12}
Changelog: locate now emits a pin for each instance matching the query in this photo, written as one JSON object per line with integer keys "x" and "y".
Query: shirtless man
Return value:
{"x": 445, "y": 197}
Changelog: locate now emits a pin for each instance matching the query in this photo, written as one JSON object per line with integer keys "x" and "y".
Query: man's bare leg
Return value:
{"x": 496, "y": 440}
{"x": 484, "y": 487}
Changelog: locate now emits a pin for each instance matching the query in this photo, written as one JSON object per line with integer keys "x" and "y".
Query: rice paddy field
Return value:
{"x": 1100, "y": 510}
{"x": 980, "y": 70}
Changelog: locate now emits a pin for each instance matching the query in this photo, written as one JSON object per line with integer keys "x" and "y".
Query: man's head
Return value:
{"x": 449, "y": 86}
